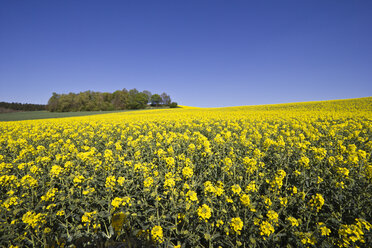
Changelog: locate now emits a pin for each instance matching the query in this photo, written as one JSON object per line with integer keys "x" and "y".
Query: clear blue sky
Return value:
{"x": 202, "y": 53}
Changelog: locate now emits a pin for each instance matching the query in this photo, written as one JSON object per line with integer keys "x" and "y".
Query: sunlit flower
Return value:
{"x": 204, "y": 212}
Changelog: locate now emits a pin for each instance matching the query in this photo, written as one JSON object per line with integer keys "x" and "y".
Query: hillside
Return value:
{"x": 294, "y": 175}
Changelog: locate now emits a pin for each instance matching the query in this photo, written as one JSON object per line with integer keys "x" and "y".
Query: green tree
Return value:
{"x": 94, "y": 101}
{"x": 173, "y": 105}
{"x": 149, "y": 94}
{"x": 132, "y": 103}
{"x": 53, "y": 102}
{"x": 156, "y": 100}
{"x": 142, "y": 100}
{"x": 166, "y": 100}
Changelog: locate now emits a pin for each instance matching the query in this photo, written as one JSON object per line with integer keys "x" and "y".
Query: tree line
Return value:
{"x": 104, "y": 101}
{"x": 22, "y": 106}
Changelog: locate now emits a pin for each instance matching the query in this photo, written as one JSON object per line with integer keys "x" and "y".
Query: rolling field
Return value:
{"x": 287, "y": 175}
{"x": 33, "y": 115}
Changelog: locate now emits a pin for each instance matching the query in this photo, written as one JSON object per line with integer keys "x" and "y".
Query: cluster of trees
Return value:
{"x": 96, "y": 101}
{"x": 22, "y": 106}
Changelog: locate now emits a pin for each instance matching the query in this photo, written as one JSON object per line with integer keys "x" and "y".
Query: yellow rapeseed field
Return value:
{"x": 288, "y": 175}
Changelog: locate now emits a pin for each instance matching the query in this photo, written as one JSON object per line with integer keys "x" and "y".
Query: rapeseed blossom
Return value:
{"x": 204, "y": 177}
{"x": 34, "y": 220}
{"x": 236, "y": 224}
{"x": 266, "y": 228}
{"x": 204, "y": 212}
{"x": 236, "y": 189}
{"x": 245, "y": 200}
{"x": 317, "y": 202}
{"x": 157, "y": 233}
{"x": 293, "y": 221}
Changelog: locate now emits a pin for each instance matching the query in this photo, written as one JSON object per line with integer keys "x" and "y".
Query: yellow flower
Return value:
{"x": 219, "y": 190}
{"x": 157, "y": 234}
{"x": 209, "y": 188}
{"x": 273, "y": 216}
{"x": 56, "y": 171}
{"x": 34, "y": 220}
{"x": 268, "y": 202}
{"x": 187, "y": 172}
{"x": 317, "y": 201}
{"x": 110, "y": 182}
{"x": 251, "y": 187}
{"x": 29, "y": 182}
{"x": 307, "y": 238}
{"x": 304, "y": 162}
{"x": 323, "y": 229}
{"x": 236, "y": 189}
{"x": 361, "y": 223}
{"x": 281, "y": 174}
{"x": 294, "y": 190}
{"x": 191, "y": 195}
{"x": 320, "y": 180}
{"x": 204, "y": 212}
{"x": 35, "y": 170}
{"x": 340, "y": 185}
{"x": 49, "y": 195}
{"x": 147, "y": 183}
{"x": 250, "y": 165}
{"x": 87, "y": 217}
{"x": 78, "y": 179}
{"x": 169, "y": 183}
{"x": 293, "y": 221}
{"x": 283, "y": 201}
{"x": 266, "y": 228}
{"x": 121, "y": 181}
{"x": 331, "y": 160}
{"x": 236, "y": 224}
{"x": 117, "y": 202}
{"x": 245, "y": 200}
{"x": 170, "y": 161}
{"x": 219, "y": 223}
{"x": 228, "y": 199}
{"x": 191, "y": 148}
{"x": 343, "y": 172}
{"x": 60, "y": 213}
{"x": 88, "y": 190}
{"x": 51, "y": 206}
{"x": 12, "y": 201}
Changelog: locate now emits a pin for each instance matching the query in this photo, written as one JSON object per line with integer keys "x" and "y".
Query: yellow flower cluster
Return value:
{"x": 325, "y": 231}
{"x": 117, "y": 202}
{"x": 317, "y": 202}
{"x": 110, "y": 182}
{"x": 87, "y": 217}
{"x": 157, "y": 234}
{"x": 353, "y": 233}
{"x": 194, "y": 177}
{"x": 204, "y": 212}
{"x": 277, "y": 183}
{"x": 147, "y": 183}
{"x": 56, "y": 171}
{"x": 236, "y": 224}
{"x": 49, "y": 196}
{"x": 34, "y": 220}
{"x": 266, "y": 229}
{"x": 293, "y": 221}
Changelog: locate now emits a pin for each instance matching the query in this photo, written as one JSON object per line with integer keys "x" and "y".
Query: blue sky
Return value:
{"x": 202, "y": 53}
